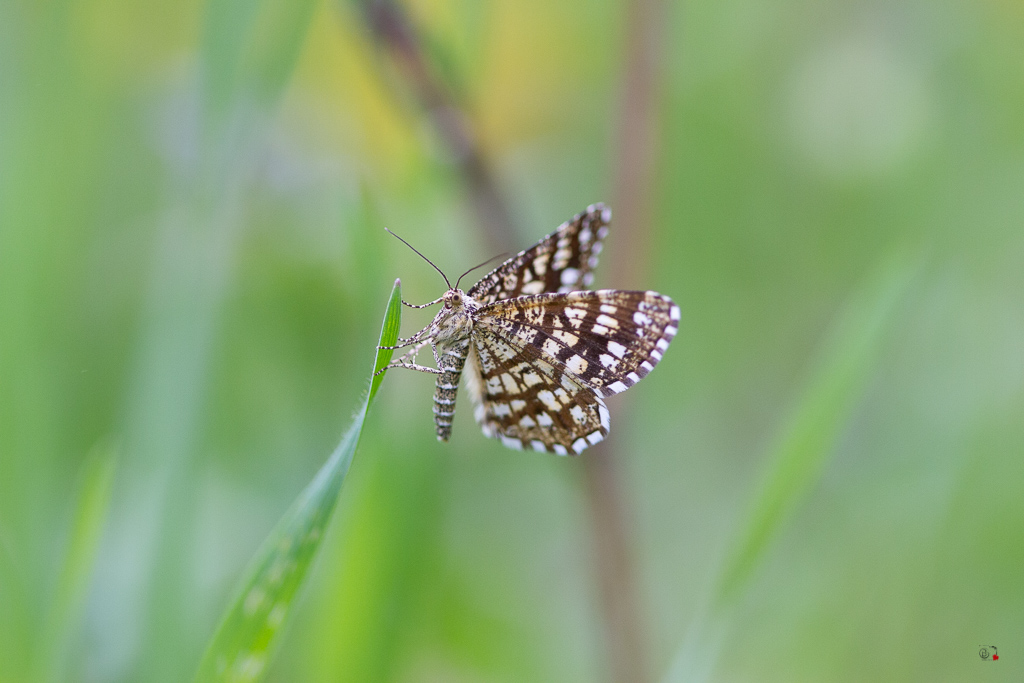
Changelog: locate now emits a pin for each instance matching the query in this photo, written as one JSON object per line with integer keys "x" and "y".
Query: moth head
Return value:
{"x": 455, "y": 319}
{"x": 454, "y": 299}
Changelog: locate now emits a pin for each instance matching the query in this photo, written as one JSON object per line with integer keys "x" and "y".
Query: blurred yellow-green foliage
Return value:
{"x": 193, "y": 269}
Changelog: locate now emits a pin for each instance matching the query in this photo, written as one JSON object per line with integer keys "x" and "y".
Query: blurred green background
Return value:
{"x": 193, "y": 271}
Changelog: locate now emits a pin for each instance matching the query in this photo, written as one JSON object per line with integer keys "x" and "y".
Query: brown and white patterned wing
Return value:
{"x": 607, "y": 339}
{"x": 527, "y": 402}
{"x": 561, "y": 262}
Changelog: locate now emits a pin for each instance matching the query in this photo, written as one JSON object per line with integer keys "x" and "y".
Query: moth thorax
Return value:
{"x": 454, "y": 322}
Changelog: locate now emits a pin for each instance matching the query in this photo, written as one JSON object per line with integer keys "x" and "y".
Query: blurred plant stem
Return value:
{"x": 67, "y": 604}
{"x": 838, "y": 378}
{"x": 391, "y": 28}
{"x": 610, "y": 522}
{"x": 632, "y": 181}
{"x": 629, "y": 255}
{"x": 636, "y": 157}
{"x": 191, "y": 273}
{"x": 248, "y": 53}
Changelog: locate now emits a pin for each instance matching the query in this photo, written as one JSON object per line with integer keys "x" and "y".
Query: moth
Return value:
{"x": 540, "y": 353}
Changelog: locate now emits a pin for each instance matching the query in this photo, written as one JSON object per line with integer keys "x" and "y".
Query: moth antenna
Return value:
{"x": 424, "y": 258}
{"x": 481, "y": 265}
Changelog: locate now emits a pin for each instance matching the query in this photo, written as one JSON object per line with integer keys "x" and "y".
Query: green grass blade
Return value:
{"x": 815, "y": 425}
{"x": 243, "y": 645}
{"x": 804, "y": 447}
{"x": 388, "y": 337}
{"x": 90, "y": 515}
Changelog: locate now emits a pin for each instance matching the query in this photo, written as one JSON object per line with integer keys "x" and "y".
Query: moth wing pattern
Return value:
{"x": 527, "y": 402}
{"x": 607, "y": 339}
{"x": 561, "y": 262}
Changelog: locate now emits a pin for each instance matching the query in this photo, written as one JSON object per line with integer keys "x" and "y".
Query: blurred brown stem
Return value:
{"x": 613, "y": 557}
{"x": 635, "y": 162}
{"x": 393, "y": 30}
{"x": 633, "y": 183}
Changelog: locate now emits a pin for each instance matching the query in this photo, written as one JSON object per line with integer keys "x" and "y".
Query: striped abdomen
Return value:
{"x": 453, "y": 359}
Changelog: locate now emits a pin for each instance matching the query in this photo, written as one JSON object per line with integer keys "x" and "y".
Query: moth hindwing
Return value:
{"x": 540, "y": 352}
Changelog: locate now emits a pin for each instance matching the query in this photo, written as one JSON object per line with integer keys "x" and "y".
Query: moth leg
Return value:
{"x": 410, "y": 355}
{"x": 437, "y": 356}
{"x": 403, "y": 343}
{"x": 408, "y": 366}
{"x": 435, "y": 301}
